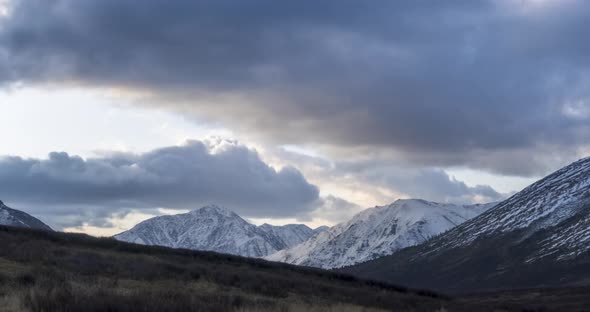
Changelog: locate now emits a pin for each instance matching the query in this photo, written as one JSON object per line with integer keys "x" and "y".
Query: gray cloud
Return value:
{"x": 433, "y": 184}
{"x": 335, "y": 209}
{"x": 448, "y": 83}
{"x": 373, "y": 175}
{"x": 78, "y": 190}
{"x": 425, "y": 183}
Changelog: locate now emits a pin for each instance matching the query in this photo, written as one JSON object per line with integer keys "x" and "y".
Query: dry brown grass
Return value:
{"x": 46, "y": 272}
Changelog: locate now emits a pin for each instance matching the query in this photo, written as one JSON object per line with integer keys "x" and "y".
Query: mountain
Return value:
{"x": 13, "y": 217}
{"x": 377, "y": 232}
{"x": 320, "y": 229}
{"x": 290, "y": 234}
{"x": 217, "y": 229}
{"x": 538, "y": 237}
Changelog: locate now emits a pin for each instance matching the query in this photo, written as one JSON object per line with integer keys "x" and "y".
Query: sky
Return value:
{"x": 285, "y": 112}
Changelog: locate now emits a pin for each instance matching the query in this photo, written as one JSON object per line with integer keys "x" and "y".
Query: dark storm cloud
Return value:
{"x": 187, "y": 177}
{"x": 443, "y": 83}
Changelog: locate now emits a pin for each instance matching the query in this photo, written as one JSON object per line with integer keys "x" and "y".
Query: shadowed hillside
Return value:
{"x": 52, "y": 271}
{"x": 539, "y": 237}
{"x": 48, "y": 271}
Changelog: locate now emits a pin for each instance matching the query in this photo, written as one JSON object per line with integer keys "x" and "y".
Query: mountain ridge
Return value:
{"x": 214, "y": 228}
{"x": 538, "y": 237}
{"x": 13, "y": 217}
{"x": 378, "y": 231}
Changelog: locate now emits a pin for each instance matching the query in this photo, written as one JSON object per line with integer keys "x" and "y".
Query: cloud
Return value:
{"x": 75, "y": 190}
{"x": 424, "y": 183}
{"x": 335, "y": 210}
{"x": 434, "y": 184}
{"x": 374, "y": 181}
{"x": 460, "y": 83}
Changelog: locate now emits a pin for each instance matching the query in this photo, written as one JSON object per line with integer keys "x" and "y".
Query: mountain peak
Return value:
{"x": 377, "y": 232}
{"x": 410, "y": 200}
{"x": 414, "y": 201}
{"x": 215, "y": 228}
{"x": 214, "y": 209}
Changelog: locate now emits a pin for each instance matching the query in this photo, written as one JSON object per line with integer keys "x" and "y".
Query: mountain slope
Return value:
{"x": 289, "y": 235}
{"x": 215, "y": 229}
{"x": 320, "y": 229}
{"x": 377, "y": 232}
{"x": 13, "y": 217}
{"x": 538, "y": 237}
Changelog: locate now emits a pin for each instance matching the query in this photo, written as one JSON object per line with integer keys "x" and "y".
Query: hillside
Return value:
{"x": 50, "y": 271}
{"x": 537, "y": 238}
{"x": 13, "y": 217}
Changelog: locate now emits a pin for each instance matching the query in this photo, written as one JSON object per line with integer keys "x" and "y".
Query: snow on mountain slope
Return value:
{"x": 290, "y": 234}
{"x": 543, "y": 204}
{"x": 567, "y": 242}
{"x": 539, "y": 237}
{"x": 13, "y": 217}
{"x": 216, "y": 229}
{"x": 378, "y": 231}
{"x": 320, "y": 229}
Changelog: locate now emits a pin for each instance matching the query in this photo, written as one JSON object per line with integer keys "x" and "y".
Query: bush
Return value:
{"x": 26, "y": 279}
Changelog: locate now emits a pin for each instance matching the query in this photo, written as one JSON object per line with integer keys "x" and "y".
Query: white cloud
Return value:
{"x": 89, "y": 122}
{"x": 4, "y": 8}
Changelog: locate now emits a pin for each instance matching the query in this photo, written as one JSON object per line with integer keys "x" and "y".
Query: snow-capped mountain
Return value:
{"x": 538, "y": 237}
{"x": 377, "y": 232}
{"x": 290, "y": 234}
{"x": 320, "y": 229}
{"x": 13, "y": 217}
{"x": 543, "y": 204}
{"x": 217, "y": 229}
